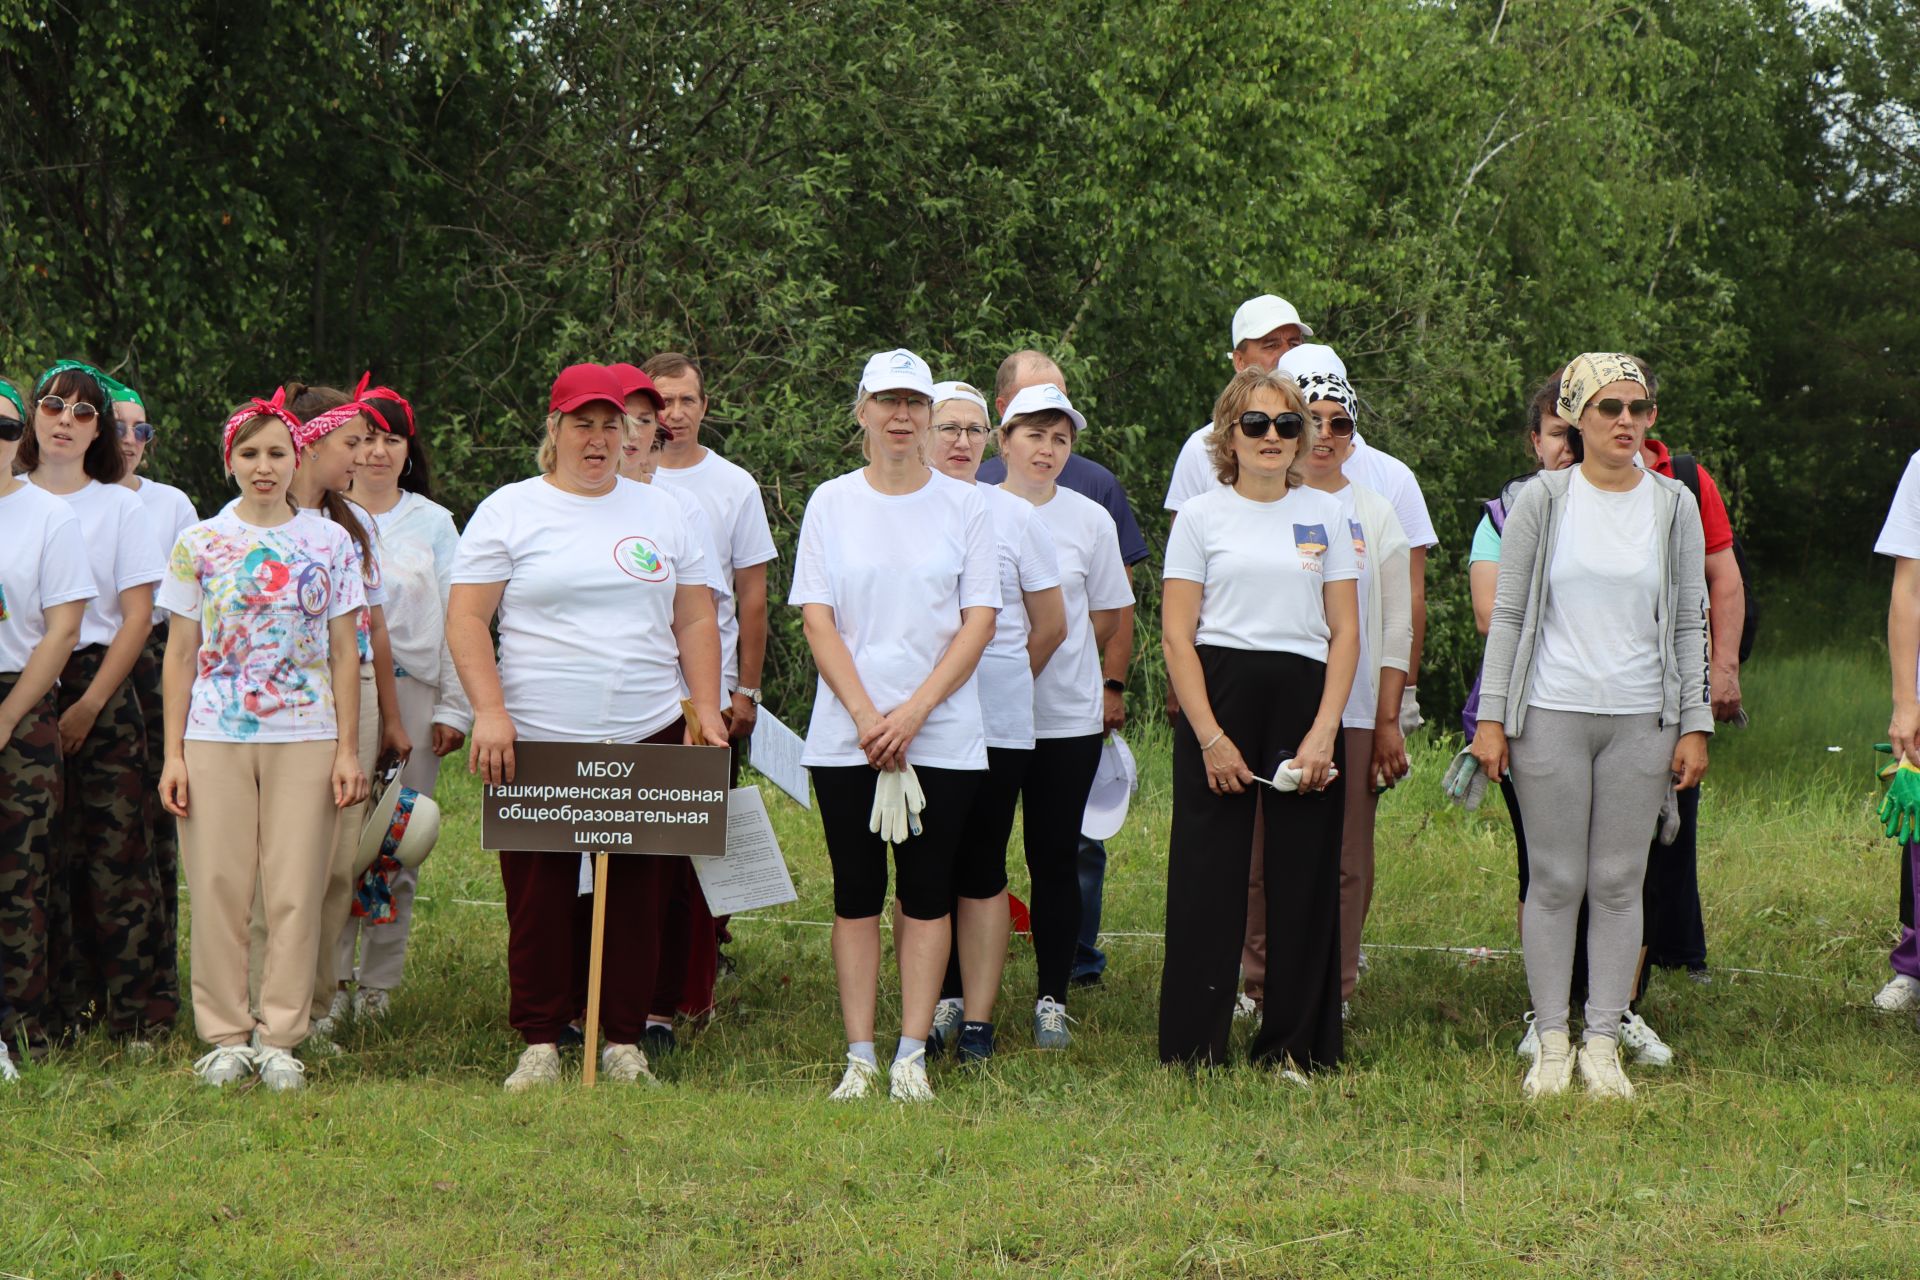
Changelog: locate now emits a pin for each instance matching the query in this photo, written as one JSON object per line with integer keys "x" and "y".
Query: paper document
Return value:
{"x": 774, "y": 750}
{"x": 754, "y": 872}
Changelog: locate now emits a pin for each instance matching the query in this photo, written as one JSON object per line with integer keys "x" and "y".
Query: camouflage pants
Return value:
{"x": 105, "y": 916}
{"x": 29, "y": 796}
{"x": 161, "y": 827}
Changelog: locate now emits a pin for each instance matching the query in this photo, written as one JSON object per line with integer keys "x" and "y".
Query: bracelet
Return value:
{"x": 1208, "y": 744}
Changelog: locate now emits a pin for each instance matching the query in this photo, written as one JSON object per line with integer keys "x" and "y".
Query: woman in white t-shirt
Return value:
{"x": 393, "y": 483}
{"x": 1038, "y": 431}
{"x": 603, "y": 610}
{"x": 260, "y": 752}
{"x": 105, "y": 919}
{"x": 1030, "y": 626}
{"x": 1260, "y": 624}
{"x": 1370, "y": 724}
{"x": 1594, "y": 690}
{"x": 897, "y": 584}
{"x": 45, "y": 583}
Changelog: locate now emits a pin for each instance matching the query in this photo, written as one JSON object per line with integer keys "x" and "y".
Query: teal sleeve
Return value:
{"x": 1486, "y": 543}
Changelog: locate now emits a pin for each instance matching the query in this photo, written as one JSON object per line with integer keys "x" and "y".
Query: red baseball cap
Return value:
{"x": 634, "y": 380}
{"x": 582, "y": 384}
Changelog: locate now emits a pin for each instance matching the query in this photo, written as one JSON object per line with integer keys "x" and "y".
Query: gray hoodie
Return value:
{"x": 1519, "y": 605}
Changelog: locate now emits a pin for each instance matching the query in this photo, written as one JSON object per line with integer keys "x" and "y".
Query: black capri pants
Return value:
{"x": 980, "y": 866}
{"x": 923, "y": 866}
{"x": 1266, "y": 703}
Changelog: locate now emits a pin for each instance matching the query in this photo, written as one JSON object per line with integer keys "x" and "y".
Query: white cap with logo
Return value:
{"x": 1258, "y": 317}
{"x": 897, "y": 370}
{"x": 1042, "y": 398}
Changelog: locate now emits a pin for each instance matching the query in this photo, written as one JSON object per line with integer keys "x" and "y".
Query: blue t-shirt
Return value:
{"x": 1089, "y": 479}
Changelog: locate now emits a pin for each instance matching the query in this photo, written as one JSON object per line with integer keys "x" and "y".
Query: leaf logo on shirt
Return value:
{"x": 1310, "y": 540}
{"x": 639, "y": 558}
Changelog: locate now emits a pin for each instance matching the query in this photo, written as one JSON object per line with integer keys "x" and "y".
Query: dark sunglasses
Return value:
{"x": 1254, "y": 425}
{"x": 1336, "y": 426}
{"x": 54, "y": 405}
{"x": 1610, "y": 407}
{"x": 12, "y": 429}
{"x": 141, "y": 431}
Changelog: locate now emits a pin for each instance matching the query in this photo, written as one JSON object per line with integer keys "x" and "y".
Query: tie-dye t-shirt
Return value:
{"x": 263, "y": 598}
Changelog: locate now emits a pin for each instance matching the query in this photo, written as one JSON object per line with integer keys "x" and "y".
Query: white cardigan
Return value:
{"x": 418, "y": 542}
{"x": 1387, "y": 612}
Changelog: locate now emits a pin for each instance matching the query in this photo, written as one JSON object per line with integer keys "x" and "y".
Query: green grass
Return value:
{"x": 1783, "y": 1143}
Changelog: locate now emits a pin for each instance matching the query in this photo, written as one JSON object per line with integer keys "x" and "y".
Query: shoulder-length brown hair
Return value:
{"x": 1233, "y": 402}
{"x": 102, "y": 460}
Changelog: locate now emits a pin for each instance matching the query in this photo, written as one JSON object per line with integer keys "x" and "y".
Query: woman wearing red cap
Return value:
{"x": 593, "y": 646}
{"x": 418, "y": 541}
{"x": 260, "y": 754}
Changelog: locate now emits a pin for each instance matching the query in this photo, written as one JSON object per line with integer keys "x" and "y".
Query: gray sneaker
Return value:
{"x": 226, "y": 1064}
{"x": 280, "y": 1071}
{"x": 947, "y": 1016}
{"x": 1050, "y": 1025}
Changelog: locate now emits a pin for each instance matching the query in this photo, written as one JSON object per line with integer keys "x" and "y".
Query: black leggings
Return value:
{"x": 1266, "y": 703}
{"x": 923, "y": 866}
{"x": 1054, "y": 799}
{"x": 980, "y": 867}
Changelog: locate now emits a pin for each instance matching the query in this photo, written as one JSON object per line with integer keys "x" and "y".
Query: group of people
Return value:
{"x": 971, "y": 621}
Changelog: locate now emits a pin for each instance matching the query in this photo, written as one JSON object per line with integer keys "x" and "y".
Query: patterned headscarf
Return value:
{"x": 322, "y": 425}
{"x": 1582, "y": 379}
{"x": 1322, "y": 375}
{"x": 274, "y": 408}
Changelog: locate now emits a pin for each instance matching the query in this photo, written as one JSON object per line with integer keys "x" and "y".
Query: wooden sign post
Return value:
{"x": 602, "y": 798}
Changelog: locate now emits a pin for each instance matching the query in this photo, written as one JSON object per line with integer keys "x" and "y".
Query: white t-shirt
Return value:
{"x": 1067, "y": 702}
{"x": 897, "y": 569}
{"x": 1599, "y": 646}
{"x": 1900, "y": 536}
{"x": 374, "y": 588}
{"x": 1027, "y": 563}
{"x": 1383, "y": 473}
{"x": 169, "y": 511}
{"x": 45, "y": 564}
{"x": 587, "y": 651}
{"x": 121, "y": 549}
{"x": 1364, "y": 698}
{"x": 719, "y": 578}
{"x": 1263, "y": 567}
{"x": 264, "y": 599}
{"x": 739, "y": 527}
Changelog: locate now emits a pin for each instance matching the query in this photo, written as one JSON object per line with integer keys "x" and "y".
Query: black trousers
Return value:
{"x": 1675, "y": 934}
{"x": 980, "y": 867}
{"x": 1266, "y": 703}
{"x": 1053, "y": 798}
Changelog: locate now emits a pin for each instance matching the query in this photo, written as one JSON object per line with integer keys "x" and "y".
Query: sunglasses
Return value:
{"x": 1611, "y": 407}
{"x": 55, "y": 406}
{"x": 1335, "y": 426}
{"x": 12, "y": 429}
{"x": 141, "y": 431}
{"x": 1254, "y": 425}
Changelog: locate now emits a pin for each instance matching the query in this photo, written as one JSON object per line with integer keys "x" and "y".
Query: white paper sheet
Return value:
{"x": 774, "y": 750}
{"x": 754, "y": 872}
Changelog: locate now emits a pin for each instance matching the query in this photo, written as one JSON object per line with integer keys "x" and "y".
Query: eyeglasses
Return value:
{"x": 1610, "y": 407}
{"x": 54, "y": 405}
{"x": 141, "y": 431}
{"x": 1333, "y": 426}
{"x": 1254, "y": 425}
{"x": 953, "y": 432}
{"x": 12, "y": 429}
{"x": 894, "y": 399}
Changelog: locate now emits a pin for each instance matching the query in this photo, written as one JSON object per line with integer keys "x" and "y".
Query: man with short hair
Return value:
{"x": 689, "y": 951}
{"x": 1084, "y": 476}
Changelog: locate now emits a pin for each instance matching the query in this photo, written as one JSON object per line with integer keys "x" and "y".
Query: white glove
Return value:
{"x": 1287, "y": 777}
{"x": 894, "y": 815}
{"x": 1410, "y": 711}
{"x": 886, "y": 792}
{"x": 1465, "y": 782}
{"x": 916, "y": 799}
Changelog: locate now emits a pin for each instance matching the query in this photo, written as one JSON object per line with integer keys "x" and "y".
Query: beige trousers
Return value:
{"x": 259, "y": 829}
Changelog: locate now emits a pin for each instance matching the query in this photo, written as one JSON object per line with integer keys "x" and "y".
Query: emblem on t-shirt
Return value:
{"x": 316, "y": 590}
{"x": 3, "y": 604}
{"x": 1359, "y": 543}
{"x": 268, "y": 574}
{"x": 639, "y": 558}
{"x": 1310, "y": 540}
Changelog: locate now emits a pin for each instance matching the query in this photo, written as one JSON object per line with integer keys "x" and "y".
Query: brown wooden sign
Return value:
{"x": 608, "y": 797}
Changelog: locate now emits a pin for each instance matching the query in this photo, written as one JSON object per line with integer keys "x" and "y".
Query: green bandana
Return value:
{"x": 61, "y": 366}
{"x": 119, "y": 392}
{"x": 20, "y": 406}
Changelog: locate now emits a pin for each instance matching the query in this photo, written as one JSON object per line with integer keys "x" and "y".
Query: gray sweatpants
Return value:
{"x": 1590, "y": 790}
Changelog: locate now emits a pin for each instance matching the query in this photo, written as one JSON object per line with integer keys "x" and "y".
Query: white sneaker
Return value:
{"x": 1600, "y": 1068}
{"x": 1643, "y": 1042}
{"x": 539, "y": 1065}
{"x": 336, "y": 1013}
{"x": 280, "y": 1071}
{"x": 1244, "y": 1007}
{"x": 8, "y": 1072}
{"x": 626, "y": 1063}
{"x": 372, "y": 1003}
{"x": 1552, "y": 1070}
{"x": 226, "y": 1064}
{"x": 860, "y": 1078}
{"x": 1529, "y": 1047}
{"x": 907, "y": 1078}
{"x": 1292, "y": 1076}
{"x": 1899, "y": 995}
{"x": 1346, "y": 1010}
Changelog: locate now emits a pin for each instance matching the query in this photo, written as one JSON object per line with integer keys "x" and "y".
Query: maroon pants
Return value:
{"x": 690, "y": 943}
{"x": 548, "y": 923}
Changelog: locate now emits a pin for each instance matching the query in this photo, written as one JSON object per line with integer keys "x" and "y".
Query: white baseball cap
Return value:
{"x": 897, "y": 370}
{"x": 945, "y": 391}
{"x": 1043, "y": 398}
{"x": 1115, "y": 780}
{"x": 1258, "y": 317}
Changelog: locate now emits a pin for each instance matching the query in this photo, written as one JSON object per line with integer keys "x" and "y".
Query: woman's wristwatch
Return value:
{"x": 752, "y": 693}
{"x": 1117, "y": 686}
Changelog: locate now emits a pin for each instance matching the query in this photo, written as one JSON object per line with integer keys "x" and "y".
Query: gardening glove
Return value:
{"x": 1410, "y": 711}
{"x": 1465, "y": 782}
{"x": 1670, "y": 816}
{"x": 1287, "y": 778}
{"x": 916, "y": 799}
{"x": 1900, "y": 810}
{"x": 885, "y": 792}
